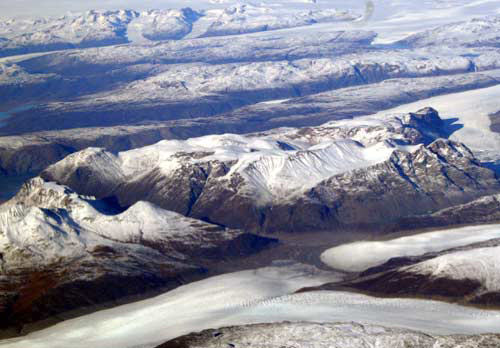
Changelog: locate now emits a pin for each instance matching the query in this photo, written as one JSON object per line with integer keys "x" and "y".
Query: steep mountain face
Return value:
{"x": 346, "y": 174}
{"x": 59, "y": 250}
{"x": 468, "y": 275}
{"x": 126, "y": 96}
{"x": 177, "y": 82}
{"x": 33, "y": 152}
{"x": 439, "y": 175}
{"x": 481, "y": 210}
{"x": 341, "y": 335}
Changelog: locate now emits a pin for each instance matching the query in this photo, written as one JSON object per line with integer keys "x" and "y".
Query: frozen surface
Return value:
{"x": 468, "y": 109}
{"x": 392, "y": 20}
{"x": 481, "y": 265}
{"x": 46, "y": 223}
{"x": 256, "y": 296}
{"x": 359, "y": 256}
{"x": 272, "y": 171}
{"x": 330, "y": 335}
{"x": 264, "y": 295}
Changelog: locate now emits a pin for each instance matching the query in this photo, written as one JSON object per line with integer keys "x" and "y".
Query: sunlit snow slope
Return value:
{"x": 359, "y": 256}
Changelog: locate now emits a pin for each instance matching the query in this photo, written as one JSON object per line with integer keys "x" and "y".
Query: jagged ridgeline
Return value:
{"x": 348, "y": 175}
{"x": 200, "y": 82}
{"x": 61, "y": 251}
{"x": 233, "y": 156}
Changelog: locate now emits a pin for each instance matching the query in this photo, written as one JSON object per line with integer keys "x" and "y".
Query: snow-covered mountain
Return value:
{"x": 467, "y": 275}
{"x": 473, "y": 33}
{"x": 33, "y": 152}
{"x": 165, "y": 144}
{"x": 104, "y": 28}
{"x": 133, "y": 95}
{"x": 248, "y": 18}
{"x": 465, "y": 272}
{"x": 334, "y": 176}
{"x": 361, "y": 255}
{"x": 93, "y": 28}
{"x": 59, "y": 250}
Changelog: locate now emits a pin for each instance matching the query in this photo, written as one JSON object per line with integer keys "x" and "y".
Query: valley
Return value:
{"x": 250, "y": 174}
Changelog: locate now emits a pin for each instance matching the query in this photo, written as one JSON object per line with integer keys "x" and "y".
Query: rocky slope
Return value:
{"x": 344, "y": 175}
{"x": 60, "y": 251}
{"x": 482, "y": 210}
{"x": 125, "y": 96}
{"x": 338, "y": 335}
{"x": 466, "y": 274}
{"x": 176, "y": 81}
{"x": 33, "y": 152}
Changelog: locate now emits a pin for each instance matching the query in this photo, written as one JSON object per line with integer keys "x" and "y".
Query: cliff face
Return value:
{"x": 466, "y": 274}
{"x": 344, "y": 175}
{"x": 62, "y": 251}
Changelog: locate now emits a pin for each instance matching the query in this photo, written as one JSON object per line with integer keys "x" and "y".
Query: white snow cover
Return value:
{"x": 271, "y": 171}
{"x": 470, "y": 109}
{"x": 475, "y": 32}
{"x": 33, "y": 230}
{"x": 392, "y": 19}
{"x": 197, "y": 78}
{"x": 359, "y": 256}
{"x": 248, "y": 297}
{"x": 482, "y": 265}
{"x": 145, "y": 221}
{"x": 103, "y": 161}
{"x": 331, "y": 335}
{"x": 100, "y": 27}
{"x": 87, "y": 27}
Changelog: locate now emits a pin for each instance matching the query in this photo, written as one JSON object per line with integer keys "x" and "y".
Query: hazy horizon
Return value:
{"x": 51, "y": 8}
{"x": 30, "y": 8}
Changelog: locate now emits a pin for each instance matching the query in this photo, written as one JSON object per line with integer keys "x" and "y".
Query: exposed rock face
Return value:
{"x": 338, "y": 335}
{"x": 61, "y": 251}
{"x": 495, "y": 122}
{"x": 191, "y": 86}
{"x": 343, "y": 175}
{"x": 439, "y": 175}
{"x": 482, "y": 210}
{"x": 468, "y": 275}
